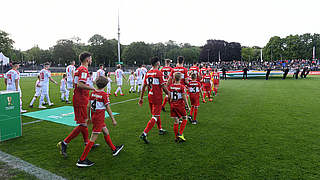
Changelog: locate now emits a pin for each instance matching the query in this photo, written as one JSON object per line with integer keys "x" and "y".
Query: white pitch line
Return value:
{"x": 20, "y": 164}
{"x": 110, "y": 105}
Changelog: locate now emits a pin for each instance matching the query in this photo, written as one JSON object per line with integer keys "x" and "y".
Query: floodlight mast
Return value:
{"x": 118, "y": 38}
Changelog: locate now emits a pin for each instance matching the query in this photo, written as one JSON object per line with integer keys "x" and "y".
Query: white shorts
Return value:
{"x": 69, "y": 84}
{"x": 45, "y": 89}
{"x": 119, "y": 82}
{"x": 38, "y": 92}
{"x": 132, "y": 83}
{"x": 139, "y": 81}
{"x": 63, "y": 90}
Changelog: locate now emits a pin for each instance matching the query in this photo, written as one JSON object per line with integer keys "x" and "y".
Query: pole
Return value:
{"x": 314, "y": 53}
{"x": 118, "y": 38}
{"x": 261, "y": 55}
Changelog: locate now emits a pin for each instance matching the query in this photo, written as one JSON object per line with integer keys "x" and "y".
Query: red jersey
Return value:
{"x": 183, "y": 71}
{"x": 98, "y": 100}
{"x": 176, "y": 92}
{"x": 209, "y": 69}
{"x": 154, "y": 81}
{"x": 80, "y": 96}
{"x": 206, "y": 79}
{"x": 195, "y": 70}
{"x": 203, "y": 71}
{"x": 216, "y": 76}
{"x": 194, "y": 88}
{"x": 166, "y": 71}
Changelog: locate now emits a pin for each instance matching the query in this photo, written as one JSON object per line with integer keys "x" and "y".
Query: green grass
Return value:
{"x": 7, "y": 172}
{"x": 254, "y": 129}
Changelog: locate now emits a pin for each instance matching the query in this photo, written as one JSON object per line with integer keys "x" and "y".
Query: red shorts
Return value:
{"x": 155, "y": 109}
{"x": 177, "y": 111}
{"x": 80, "y": 114}
{"x": 206, "y": 88}
{"x": 215, "y": 82}
{"x": 194, "y": 100}
{"x": 98, "y": 118}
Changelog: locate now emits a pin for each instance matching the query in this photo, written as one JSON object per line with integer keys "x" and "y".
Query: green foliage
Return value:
{"x": 6, "y": 43}
{"x": 63, "y": 52}
{"x": 138, "y": 52}
{"x": 292, "y": 47}
{"x": 250, "y": 53}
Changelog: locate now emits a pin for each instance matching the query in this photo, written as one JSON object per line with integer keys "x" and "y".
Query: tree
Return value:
{"x": 6, "y": 43}
{"x": 219, "y": 48}
{"x": 138, "y": 52}
{"x": 63, "y": 52}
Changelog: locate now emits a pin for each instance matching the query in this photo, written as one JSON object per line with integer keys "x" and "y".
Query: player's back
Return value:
{"x": 206, "y": 79}
{"x": 44, "y": 76}
{"x": 176, "y": 92}
{"x": 98, "y": 100}
{"x": 195, "y": 70}
{"x": 203, "y": 71}
{"x": 194, "y": 88}
{"x": 154, "y": 82}
{"x": 166, "y": 71}
{"x": 183, "y": 72}
{"x": 119, "y": 74}
{"x": 11, "y": 76}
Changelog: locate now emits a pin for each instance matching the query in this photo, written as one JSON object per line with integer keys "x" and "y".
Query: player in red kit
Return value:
{"x": 195, "y": 70}
{"x": 178, "y": 106}
{"x": 216, "y": 80}
{"x": 203, "y": 70}
{"x": 98, "y": 105}
{"x": 166, "y": 70}
{"x": 154, "y": 81}
{"x": 206, "y": 82}
{"x": 179, "y": 68}
{"x": 80, "y": 102}
{"x": 194, "y": 89}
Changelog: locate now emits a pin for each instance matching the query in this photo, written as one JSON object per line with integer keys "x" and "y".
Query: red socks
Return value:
{"x": 75, "y": 132}
{"x": 183, "y": 125}
{"x": 150, "y": 125}
{"x": 175, "y": 129}
{"x": 165, "y": 101}
{"x": 109, "y": 142}
{"x": 159, "y": 123}
{"x": 191, "y": 111}
{"x": 195, "y": 114}
{"x": 86, "y": 150}
{"x": 85, "y": 133}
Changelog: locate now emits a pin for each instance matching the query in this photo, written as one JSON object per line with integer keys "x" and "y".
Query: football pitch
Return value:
{"x": 254, "y": 129}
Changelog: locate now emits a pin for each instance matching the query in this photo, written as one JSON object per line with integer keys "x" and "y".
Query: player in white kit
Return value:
{"x": 131, "y": 81}
{"x": 45, "y": 76}
{"x": 37, "y": 88}
{"x": 12, "y": 80}
{"x": 109, "y": 84}
{"x": 119, "y": 74}
{"x": 70, "y": 70}
{"x": 63, "y": 88}
{"x": 101, "y": 72}
{"x": 144, "y": 71}
{"x": 139, "y": 78}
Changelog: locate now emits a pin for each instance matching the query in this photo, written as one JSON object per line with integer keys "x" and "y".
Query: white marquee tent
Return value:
{"x": 3, "y": 59}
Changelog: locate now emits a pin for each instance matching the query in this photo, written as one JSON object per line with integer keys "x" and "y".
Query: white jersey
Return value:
{"x": 90, "y": 81}
{"x": 69, "y": 71}
{"x": 12, "y": 76}
{"x": 119, "y": 74}
{"x": 37, "y": 87}
{"x": 109, "y": 82}
{"x": 101, "y": 72}
{"x": 44, "y": 77}
{"x": 63, "y": 85}
{"x": 139, "y": 74}
{"x": 143, "y": 71}
{"x": 131, "y": 79}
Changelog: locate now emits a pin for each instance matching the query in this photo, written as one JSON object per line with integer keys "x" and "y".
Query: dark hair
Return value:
{"x": 90, "y": 72}
{"x": 47, "y": 64}
{"x": 154, "y": 60}
{"x": 101, "y": 82}
{"x": 177, "y": 76}
{"x": 83, "y": 56}
{"x": 64, "y": 75}
{"x": 180, "y": 59}
{"x": 193, "y": 76}
{"x": 101, "y": 65}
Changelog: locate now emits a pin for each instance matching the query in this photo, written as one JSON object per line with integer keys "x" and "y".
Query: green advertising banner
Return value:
{"x": 10, "y": 121}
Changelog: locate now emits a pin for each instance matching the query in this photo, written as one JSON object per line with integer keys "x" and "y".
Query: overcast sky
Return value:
{"x": 250, "y": 22}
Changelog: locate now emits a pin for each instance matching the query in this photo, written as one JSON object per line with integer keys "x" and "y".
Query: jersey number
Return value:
{"x": 94, "y": 105}
{"x": 174, "y": 95}
{"x": 150, "y": 81}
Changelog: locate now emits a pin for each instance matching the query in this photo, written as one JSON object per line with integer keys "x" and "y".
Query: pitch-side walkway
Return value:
{"x": 20, "y": 164}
